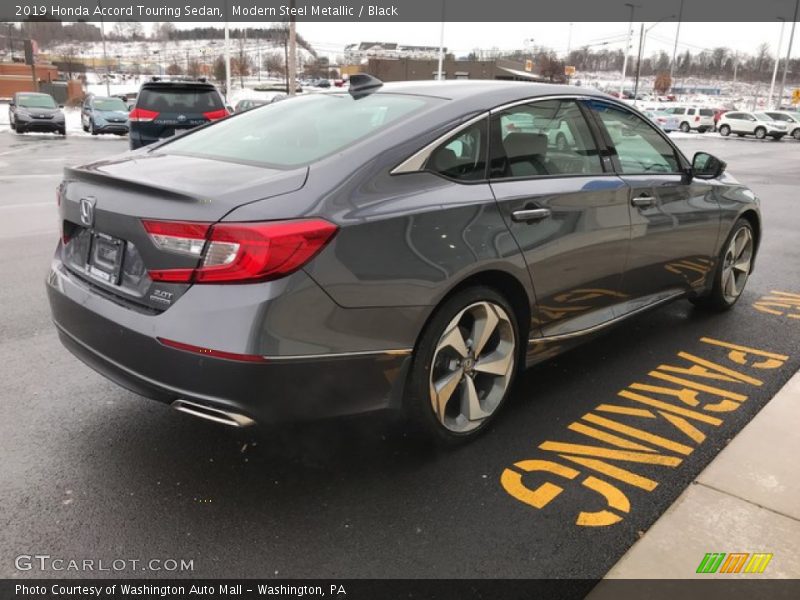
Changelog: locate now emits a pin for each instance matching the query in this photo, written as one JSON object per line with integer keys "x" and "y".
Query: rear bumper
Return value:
{"x": 280, "y": 389}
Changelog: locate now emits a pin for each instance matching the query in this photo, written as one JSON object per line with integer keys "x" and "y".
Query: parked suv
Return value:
{"x": 693, "y": 119}
{"x": 792, "y": 121}
{"x": 164, "y": 107}
{"x": 101, "y": 114}
{"x": 29, "y": 111}
{"x": 751, "y": 123}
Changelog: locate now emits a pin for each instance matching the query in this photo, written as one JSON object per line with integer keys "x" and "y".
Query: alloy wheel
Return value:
{"x": 736, "y": 264}
{"x": 472, "y": 366}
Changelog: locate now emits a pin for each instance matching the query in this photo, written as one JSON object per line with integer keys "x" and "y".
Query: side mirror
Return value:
{"x": 11, "y": 104}
{"x": 60, "y": 106}
{"x": 706, "y": 166}
{"x": 229, "y": 108}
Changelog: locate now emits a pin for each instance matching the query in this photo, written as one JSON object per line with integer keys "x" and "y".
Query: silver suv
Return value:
{"x": 691, "y": 118}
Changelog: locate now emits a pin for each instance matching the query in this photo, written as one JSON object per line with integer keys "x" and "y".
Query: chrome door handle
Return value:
{"x": 529, "y": 215}
{"x": 643, "y": 201}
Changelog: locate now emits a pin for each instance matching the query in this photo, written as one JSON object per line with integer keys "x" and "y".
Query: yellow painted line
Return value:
{"x": 626, "y": 455}
{"x": 692, "y": 432}
{"x": 625, "y": 410}
{"x": 613, "y": 471}
{"x": 688, "y": 397}
{"x": 638, "y": 434}
{"x": 717, "y": 367}
{"x": 613, "y": 496}
{"x": 685, "y": 412}
{"x": 607, "y": 437}
{"x": 738, "y": 354}
{"x": 795, "y": 297}
{"x": 542, "y": 495}
{"x": 701, "y": 387}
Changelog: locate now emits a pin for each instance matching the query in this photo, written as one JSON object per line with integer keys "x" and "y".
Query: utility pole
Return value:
{"x": 735, "y": 69}
{"x": 675, "y": 47}
{"x": 292, "y": 75}
{"x": 788, "y": 54}
{"x": 569, "y": 41}
{"x": 227, "y": 56}
{"x": 777, "y": 60}
{"x": 627, "y": 48}
{"x": 439, "y": 73}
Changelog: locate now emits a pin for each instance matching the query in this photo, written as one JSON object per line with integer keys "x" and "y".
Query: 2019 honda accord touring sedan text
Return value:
{"x": 407, "y": 246}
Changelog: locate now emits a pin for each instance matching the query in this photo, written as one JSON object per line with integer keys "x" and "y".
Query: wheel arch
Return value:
{"x": 755, "y": 222}
{"x": 503, "y": 282}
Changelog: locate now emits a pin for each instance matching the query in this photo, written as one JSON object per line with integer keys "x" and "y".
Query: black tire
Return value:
{"x": 716, "y": 299}
{"x": 417, "y": 402}
{"x": 63, "y": 131}
{"x": 85, "y": 128}
{"x": 725, "y": 130}
{"x": 702, "y": 130}
{"x": 778, "y": 137}
{"x": 740, "y": 134}
{"x": 760, "y": 133}
{"x": 796, "y": 134}
{"x": 685, "y": 127}
{"x": 92, "y": 129}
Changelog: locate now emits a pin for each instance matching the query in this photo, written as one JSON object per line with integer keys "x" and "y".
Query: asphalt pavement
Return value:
{"x": 90, "y": 471}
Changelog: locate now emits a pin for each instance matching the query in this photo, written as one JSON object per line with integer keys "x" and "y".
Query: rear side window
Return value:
{"x": 706, "y": 112}
{"x": 462, "y": 157}
{"x": 299, "y": 131}
{"x": 179, "y": 100}
{"x": 550, "y": 137}
{"x": 640, "y": 148}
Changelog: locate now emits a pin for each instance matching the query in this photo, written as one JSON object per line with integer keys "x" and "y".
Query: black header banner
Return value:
{"x": 219, "y": 11}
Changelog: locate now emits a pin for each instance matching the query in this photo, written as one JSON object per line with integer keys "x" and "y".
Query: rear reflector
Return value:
{"x": 239, "y": 252}
{"x": 215, "y": 115}
{"x": 212, "y": 353}
{"x": 141, "y": 115}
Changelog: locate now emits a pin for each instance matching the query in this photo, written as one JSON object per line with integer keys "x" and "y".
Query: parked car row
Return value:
{"x": 774, "y": 124}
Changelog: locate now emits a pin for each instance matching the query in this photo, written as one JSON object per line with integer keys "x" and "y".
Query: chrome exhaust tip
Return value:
{"x": 217, "y": 415}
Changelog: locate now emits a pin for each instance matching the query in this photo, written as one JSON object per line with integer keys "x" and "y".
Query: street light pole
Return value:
{"x": 627, "y": 47}
{"x": 105, "y": 56}
{"x": 777, "y": 60}
{"x": 788, "y": 54}
{"x": 675, "y": 47}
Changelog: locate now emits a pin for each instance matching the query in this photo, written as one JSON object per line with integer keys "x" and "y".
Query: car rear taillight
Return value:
{"x": 239, "y": 252}
{"x": 140, "y": 115}
{"x": 697, "y": 118}
{"x": 215, "y": 115}
{"x": 211, "y": 352}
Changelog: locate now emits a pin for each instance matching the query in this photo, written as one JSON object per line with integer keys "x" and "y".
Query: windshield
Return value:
{"x": 109, "y": 104}
{"x": 298, "y": 131}
{"x": 36, "y": 101}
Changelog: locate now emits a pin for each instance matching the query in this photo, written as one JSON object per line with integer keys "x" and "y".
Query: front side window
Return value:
{"x": 639, "y": 147}
{"x": 463, "y": 156}
{"x": 298, "y": 131}
{"x": 549, "y": 137}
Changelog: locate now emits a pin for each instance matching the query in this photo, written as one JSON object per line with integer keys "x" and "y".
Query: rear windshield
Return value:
{"x": 298, "y": 131}
{"x": 706, "y": 112}
{"x": 36, "y": 100}
{"x": 109, "y": 104}
{"x": 180, "y": 100}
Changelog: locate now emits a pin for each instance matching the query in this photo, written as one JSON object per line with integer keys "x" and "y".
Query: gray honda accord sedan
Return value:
{"x": 409, "y": 247}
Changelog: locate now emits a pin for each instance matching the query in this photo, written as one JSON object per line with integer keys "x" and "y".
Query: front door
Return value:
{"x": 674, "y": 219}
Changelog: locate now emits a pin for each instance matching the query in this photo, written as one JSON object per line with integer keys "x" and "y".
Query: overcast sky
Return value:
{"x": 461, "y": 38}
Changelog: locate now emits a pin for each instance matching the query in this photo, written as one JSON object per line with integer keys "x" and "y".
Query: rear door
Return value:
{"x": 163, "y": 110}
{"x": 674, "y": 219}
{"x": 567, "y": 213}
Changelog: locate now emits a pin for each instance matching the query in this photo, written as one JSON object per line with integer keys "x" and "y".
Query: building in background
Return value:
{"x": 356, "y": 54}
{"x": 410, "y": 69}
